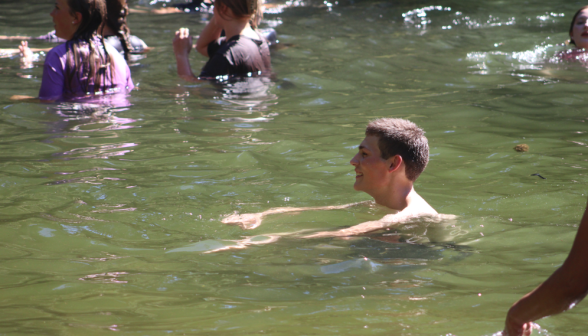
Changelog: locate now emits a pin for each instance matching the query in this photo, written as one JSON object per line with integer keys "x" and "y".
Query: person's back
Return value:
{"x": 84, "y": 65}
{"x": 243, "y": 52}
{"x": 237, "y": 56}
{"x": 64, "y": 81}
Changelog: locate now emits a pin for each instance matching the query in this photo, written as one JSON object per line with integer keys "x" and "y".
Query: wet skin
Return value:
{"x": 66, "y": 22}
{"x": 580, "y": 30}
{"x": 370, "y": 169}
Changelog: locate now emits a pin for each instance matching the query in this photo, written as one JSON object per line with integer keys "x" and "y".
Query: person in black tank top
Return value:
{"x": 242, "y": 52}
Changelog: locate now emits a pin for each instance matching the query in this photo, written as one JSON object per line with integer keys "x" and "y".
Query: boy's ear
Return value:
{"x": 394, "y": 163}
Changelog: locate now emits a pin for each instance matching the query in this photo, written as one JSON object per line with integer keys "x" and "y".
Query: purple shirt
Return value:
{"x": 53, "y": 86}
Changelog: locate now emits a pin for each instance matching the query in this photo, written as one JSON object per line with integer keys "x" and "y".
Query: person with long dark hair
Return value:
{"x": 116, "y": 32}
{"x": 84, "y": 65}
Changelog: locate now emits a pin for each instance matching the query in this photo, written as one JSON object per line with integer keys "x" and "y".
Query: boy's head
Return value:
{"x": 404, "y": 138}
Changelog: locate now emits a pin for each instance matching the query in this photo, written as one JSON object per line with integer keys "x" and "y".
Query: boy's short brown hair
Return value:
{"x": 404, "y": 138}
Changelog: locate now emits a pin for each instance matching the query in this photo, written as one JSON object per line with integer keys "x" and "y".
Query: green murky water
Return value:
{"x": 106, "y": 222}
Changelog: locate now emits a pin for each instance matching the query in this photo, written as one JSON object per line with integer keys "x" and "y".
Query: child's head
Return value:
{"x": 404, "y": 138}
{"x": 93, "y": 14}
{"x": 250, "y": 9}
{"x": 116, "y": 20}
{"x": 577, "y": 28}
{"x": 116, "y": 14}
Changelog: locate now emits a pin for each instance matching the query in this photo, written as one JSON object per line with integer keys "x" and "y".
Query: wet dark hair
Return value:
{"x": 116, "y": 19}
{"x": 572, "y": 24}
{"x": 84, "y": 58}
{"x": 244, "y": 8}
{"x": 404, "y": 138}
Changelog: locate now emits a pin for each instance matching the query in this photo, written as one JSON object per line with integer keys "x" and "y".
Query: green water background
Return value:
{"x": 106, "y": 221}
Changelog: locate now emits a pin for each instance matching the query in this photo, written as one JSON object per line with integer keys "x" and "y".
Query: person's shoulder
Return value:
{"x": 56, "y": 55}
{"x": 418, "y": 206}
{"x": 245, "y": 44}
{"x": 111, "y": 50}
{"x": 256, "y": 39}
{"x": 137, "y": 43}
{"x": 59, "y": 50}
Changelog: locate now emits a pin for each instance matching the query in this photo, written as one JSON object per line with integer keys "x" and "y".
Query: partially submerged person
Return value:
{"x": 578, "y": 37}
{"x": 84, "y": 65}
{"x": 565, "y": 288}
{"x": 205, "y": 7}
{"x": 242, "y": 52}
{"x": 116, "y": 32}
{"x": 390, "y": 159}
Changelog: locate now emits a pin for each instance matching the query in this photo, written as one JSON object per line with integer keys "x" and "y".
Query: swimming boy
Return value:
{"x": 390, "y": 158}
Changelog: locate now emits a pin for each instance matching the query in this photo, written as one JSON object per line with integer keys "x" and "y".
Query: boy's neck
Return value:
{"x": 397, "y": 196}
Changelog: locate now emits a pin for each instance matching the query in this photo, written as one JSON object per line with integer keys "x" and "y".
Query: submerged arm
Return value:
{"x": 563, "y": 289}
{"x": 17, "y": 37}
{"x": 252, "y": 220}
{"x": 365, "y": 227}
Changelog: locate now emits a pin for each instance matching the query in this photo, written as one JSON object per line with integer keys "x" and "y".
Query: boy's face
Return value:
{"x": 370, "y": 169}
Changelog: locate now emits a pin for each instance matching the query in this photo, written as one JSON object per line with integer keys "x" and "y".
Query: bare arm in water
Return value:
{"x": 250, "y": 221}
{"x": 24, "y": 53}
{"x": 561, "y": 291}
{"x": 386, "y": 221}
{"x": 417, "y": 207}
{"x": 16, "y": 37}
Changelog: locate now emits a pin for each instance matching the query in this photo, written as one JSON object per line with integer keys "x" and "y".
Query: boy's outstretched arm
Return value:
{"x": 250, "y": 221}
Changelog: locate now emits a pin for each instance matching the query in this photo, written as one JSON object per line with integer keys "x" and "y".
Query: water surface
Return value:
{"x": 107, "y": 219}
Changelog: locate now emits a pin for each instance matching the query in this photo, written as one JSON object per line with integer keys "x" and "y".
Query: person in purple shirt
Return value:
{"x": 84, "y": 66}
{"x": 116, "y": 32}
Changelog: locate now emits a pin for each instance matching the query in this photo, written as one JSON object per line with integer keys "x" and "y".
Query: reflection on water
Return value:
{"x": 249, "y": 94}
